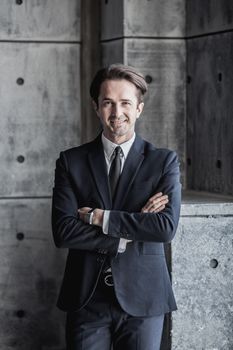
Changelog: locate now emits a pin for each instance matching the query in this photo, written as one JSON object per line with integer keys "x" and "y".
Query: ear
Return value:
{"x": 95, "y": 106}
{"x": 140, "y": 109}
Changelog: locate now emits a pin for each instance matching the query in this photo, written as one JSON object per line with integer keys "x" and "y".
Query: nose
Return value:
{"x": 116, "y": 110}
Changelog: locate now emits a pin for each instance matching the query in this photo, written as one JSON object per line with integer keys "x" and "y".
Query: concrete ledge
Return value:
{"x": 196, "y": 203}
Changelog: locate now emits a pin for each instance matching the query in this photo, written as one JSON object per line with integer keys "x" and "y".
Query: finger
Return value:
{"x": 154, "y": 200}
{"x": 159, "y": 209}
{"x": 157, "y": 195}
{"x": 154, "y": 204}
{"x": 84, "y": 210}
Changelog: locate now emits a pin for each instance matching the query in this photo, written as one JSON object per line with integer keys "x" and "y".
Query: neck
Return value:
{"x": 118, "y": 139}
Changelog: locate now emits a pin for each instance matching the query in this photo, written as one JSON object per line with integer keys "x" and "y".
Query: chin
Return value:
{"x": 120, "y": 132}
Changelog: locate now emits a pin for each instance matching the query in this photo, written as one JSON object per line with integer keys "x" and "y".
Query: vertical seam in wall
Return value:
{"x": 123, "y": 17}
{"x": 81, "y": 70}
{"x": 90, "y": 41}
{"x": 124, "y": 41}
{"x": 125, "y": 44}
{"x": 186, "y": 99}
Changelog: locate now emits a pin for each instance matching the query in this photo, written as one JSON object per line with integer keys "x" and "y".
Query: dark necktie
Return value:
{"x": 115, "y": 170}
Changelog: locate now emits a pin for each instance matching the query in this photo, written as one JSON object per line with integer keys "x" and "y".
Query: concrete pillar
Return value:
{"x": 150, "y": 36}
{"x": 40, "y": 116}
{"x": 202, "y": 273}
{"x": 202, "y": 249}
{"x": 209, "y": 97}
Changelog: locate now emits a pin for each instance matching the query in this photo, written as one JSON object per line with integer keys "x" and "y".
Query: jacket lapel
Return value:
{"x": 99, "y": 170}
{"x": 130, "y": 170}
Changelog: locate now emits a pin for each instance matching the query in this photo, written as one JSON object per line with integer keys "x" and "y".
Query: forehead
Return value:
{"x": 120, "y": 88}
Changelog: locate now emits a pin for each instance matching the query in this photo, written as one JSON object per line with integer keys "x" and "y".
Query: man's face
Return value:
{"x": 118, "y": 109}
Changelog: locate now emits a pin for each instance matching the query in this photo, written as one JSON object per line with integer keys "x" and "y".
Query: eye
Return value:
{"x": 126, "y": 103}
{"x": 107, "y": 103}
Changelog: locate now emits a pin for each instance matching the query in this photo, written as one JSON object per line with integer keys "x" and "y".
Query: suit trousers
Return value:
{"x": 103, "y": 325}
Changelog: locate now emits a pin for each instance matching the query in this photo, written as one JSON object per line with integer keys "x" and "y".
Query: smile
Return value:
{"x": 117, "y": 122}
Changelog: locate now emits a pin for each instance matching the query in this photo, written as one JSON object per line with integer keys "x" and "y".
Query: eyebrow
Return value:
{"x": 110, "y": 99}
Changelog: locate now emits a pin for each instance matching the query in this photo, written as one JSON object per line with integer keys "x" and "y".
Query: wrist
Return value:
{"x": 97, "y": 217}
{"x": 88, "y": 217}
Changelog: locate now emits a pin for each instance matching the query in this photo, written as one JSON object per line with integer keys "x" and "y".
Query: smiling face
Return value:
{"x": 118, "y": 109}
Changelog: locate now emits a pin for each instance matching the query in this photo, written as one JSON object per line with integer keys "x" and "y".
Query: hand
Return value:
{"x": 82, "y": 212}
{"x": 98, "y": 215}
{"x": 155, "y": 203}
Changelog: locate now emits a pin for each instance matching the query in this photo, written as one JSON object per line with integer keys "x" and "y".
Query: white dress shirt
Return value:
{"x": 109, "y": 148}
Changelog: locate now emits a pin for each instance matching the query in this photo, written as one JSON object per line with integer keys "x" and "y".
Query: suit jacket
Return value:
{"x": 141, "y": 280}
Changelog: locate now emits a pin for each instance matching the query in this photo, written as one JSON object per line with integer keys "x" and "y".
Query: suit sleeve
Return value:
{"x": 153, "y": 227}
{"x": 68, "y": 230}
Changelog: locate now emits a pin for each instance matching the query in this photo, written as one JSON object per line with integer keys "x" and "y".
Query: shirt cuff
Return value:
{"x": 122, "y": 245}
{"x": 106, "y": 222}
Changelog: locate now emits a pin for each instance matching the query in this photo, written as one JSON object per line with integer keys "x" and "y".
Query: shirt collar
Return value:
{"x": 109, "y": 146}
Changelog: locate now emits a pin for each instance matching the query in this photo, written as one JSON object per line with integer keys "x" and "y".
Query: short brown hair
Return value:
{"x": 118, "y": 72}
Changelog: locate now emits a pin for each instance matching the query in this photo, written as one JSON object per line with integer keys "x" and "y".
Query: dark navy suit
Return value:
{"x": 141, "y": 280}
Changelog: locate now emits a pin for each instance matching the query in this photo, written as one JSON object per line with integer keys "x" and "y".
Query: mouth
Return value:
{"x": 117, "y": 122}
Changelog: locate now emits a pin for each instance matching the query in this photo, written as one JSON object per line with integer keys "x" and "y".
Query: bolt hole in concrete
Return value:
{"x": 219, "y": 164}
{"x": 20, "y": 159}
{"x": 19, "y": 2}
{"x": 148, "y": 79}
{"x": 213, "y": 263}
{"x": 20, "y": 313}
{"x": 189, "y": 79}
{"x": 20, "y": 81}
{"x": 20, "y": 236}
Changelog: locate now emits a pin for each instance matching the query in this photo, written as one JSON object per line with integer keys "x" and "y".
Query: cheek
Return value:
{"x": 102, "y": 114}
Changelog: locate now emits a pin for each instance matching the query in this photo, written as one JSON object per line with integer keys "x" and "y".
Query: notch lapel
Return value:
{"x": 99, "y": 170}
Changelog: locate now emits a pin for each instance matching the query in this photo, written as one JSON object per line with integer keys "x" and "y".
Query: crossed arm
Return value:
{"x": 155, "y": 204}
{"x": 156, "y": 222}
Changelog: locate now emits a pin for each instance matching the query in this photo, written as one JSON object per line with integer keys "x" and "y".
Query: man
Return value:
{"x": 114, "y": 208}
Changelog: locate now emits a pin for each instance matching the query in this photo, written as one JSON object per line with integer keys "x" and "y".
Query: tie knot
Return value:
{"x": 117, "y": 150}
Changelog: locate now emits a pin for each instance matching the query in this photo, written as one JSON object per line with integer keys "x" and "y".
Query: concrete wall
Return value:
{"x": 209, "y": 100}
{"x": 202, "y": 274}
{"x": 150, "y": 36}
{"x": 40, "y": 116}
{"x": 41, "y": 89}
